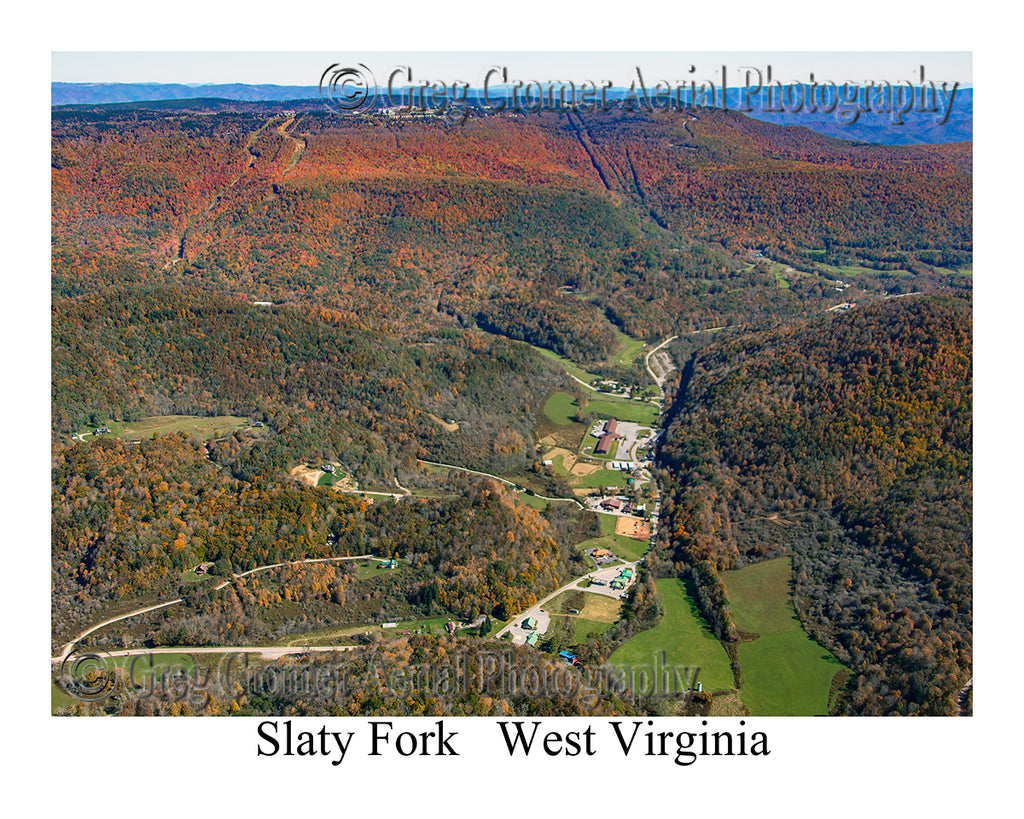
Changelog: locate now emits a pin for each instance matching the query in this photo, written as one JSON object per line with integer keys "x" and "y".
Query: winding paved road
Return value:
{"x": 572, "y": 584}
{"x": 282, "y": 650}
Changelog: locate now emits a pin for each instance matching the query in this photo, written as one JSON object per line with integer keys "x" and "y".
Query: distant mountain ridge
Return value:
{"x": 102, "y": 93}
{"x": 916, "y": 128}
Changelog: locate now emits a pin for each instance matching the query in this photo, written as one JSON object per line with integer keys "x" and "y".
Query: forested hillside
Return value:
{"x": 128, "y": 520}
{"x": 328, "y": 386}
{"x": 395, "y": 221}
{"x": 846, "y": 443}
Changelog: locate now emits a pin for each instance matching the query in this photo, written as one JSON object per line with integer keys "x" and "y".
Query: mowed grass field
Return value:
{"x": 632, "y": 347}
{"x": 685, "y": 638}
{"x": 778, "y": 272}
{"x": 571, "y": 368}
{"x": 627, "y": 548}
{"x": 599, "y": 613}
{"x": 371, "y": 568}
{"x": 644, "y": 413}
{"x": 532, "y": 500}
{"x": 849, "y": 271}
{"x": 202, "y": 427}
{"x": 780, "y": 278}
{"x": 603, "y": 477}
{"x": 785, "y": 673}
{"x": 350, "y": 634}
{"x": 561, "y": 407}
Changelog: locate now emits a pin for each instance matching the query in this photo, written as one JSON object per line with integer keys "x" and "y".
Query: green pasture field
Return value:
{"x": 215, "y": 426}
{"x": 560, "y": 408}
{"x": 960, "y": 271}
{"x": 778, "y": 271}
{"x": 603, "y": 477}
{"x": 567, "y": 365}
{"x": 558, "y": 465}
{"x": 350, "y": 634}
{"x": 365, "y": 569}
{"x": 582, "y": 628}
{"x": 849, "y": 271}
{"x": 632, "y": 348}
{"x": 644, "y": 413}
{"x": 627, "y": 548}
{"x": 598, "y": 613}
{"x": 532, "y": 500}
{"x": 785, "y": 673}
{"x": 685, "y": 638}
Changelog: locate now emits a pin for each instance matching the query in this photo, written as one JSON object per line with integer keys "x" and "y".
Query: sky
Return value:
{"x": 306, "y": 67}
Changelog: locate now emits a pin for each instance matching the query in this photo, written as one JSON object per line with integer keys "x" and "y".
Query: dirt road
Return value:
{"x": 665, "y": 367}
{"x": 69, "y": 646}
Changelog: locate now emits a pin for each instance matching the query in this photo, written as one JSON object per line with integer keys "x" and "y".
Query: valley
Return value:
{"x": 542, "y": 385}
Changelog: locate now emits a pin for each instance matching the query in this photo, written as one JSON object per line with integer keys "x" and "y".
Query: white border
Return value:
{"x": 830, "y": 767}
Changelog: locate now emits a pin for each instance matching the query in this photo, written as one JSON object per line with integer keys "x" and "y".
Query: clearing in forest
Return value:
{"x": 447, "y": 427}
{"x": 785, "y": 672}
{"x": 198, "y": 426}
{"x": 562, "y": 459}
{"x": 684, "y": 637}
